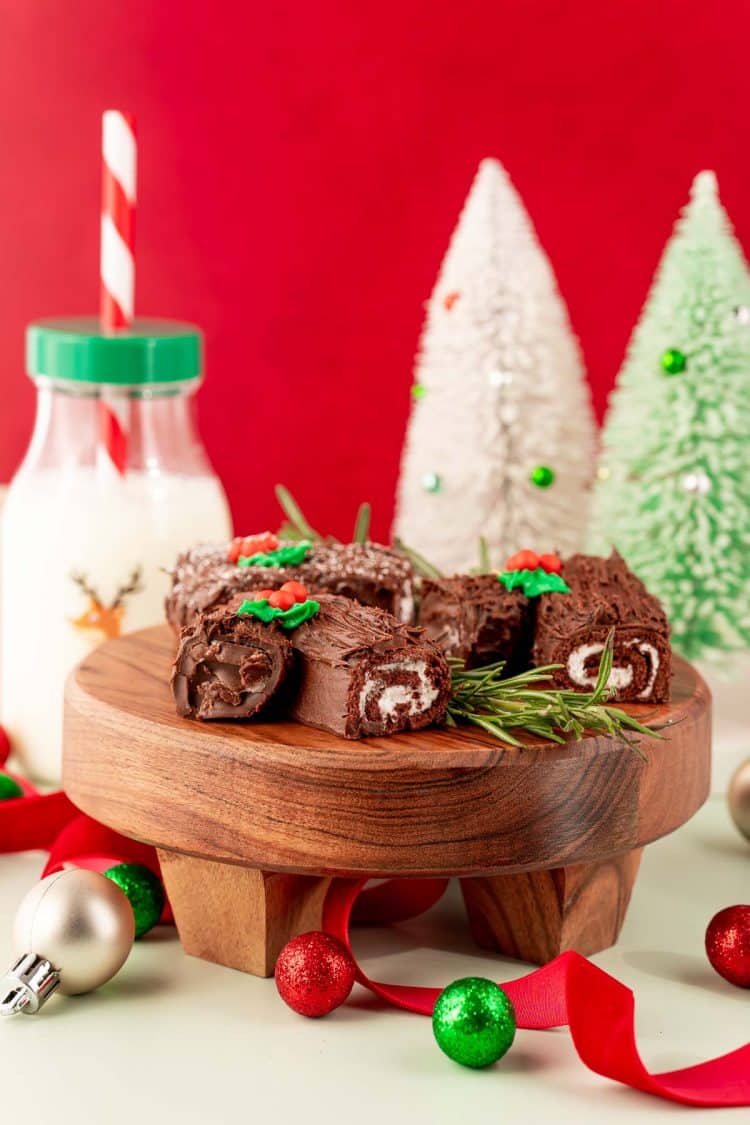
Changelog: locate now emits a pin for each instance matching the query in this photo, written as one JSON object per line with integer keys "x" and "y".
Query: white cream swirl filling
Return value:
{"x": 620, "y": 677}
{"x": 418, "y": 696}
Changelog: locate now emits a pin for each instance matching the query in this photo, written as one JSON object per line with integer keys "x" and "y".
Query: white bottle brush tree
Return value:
{"x": 501, "y": 437}
{"x": 673, "y": 489}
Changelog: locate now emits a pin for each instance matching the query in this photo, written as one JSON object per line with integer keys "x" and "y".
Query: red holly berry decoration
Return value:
{"x": 523, "y": 560}
{"x": 314, "y": 974}
{"x": 261, "y": 595}
{"x": 728, "y": 944}
{"x": 297, "y": 590}
{"x": 281, "y": 599}
{"x": 551, "y": 563}
{"x": 245, "y": 547}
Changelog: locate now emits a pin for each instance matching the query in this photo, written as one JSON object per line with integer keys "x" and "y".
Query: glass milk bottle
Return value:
{"x": 114, "y": 484}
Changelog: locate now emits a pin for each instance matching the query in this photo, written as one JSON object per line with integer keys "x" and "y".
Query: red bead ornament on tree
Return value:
{"x": 728, "y": 944}
{"x": 314, "y": 974}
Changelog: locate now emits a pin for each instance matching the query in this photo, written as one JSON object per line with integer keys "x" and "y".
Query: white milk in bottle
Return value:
{"x": 114, "y": 484}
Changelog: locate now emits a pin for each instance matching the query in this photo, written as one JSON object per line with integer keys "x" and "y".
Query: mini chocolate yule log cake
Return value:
{"x": 571, "y": 630}
{"x": 361, "y": 672}
{"x": 206, "y": 576}
{"x": 229, "y": 667}
{"x": 475, "y": 618}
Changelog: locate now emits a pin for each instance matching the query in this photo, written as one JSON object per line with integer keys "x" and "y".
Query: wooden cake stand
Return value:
{"x": 252, "y": 820}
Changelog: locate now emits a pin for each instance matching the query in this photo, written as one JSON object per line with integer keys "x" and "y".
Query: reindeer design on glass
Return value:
{"x": 106, "y": 619}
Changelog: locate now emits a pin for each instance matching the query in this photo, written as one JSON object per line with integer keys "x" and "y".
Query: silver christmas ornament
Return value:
{"x": 72, "y": 932}
{"x": 697, "y": 483}
{"x": 739, "y": 798}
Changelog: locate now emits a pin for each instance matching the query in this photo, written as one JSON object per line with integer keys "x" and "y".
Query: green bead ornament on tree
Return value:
{"x": 418, "y": 390}
{"x": 144, "y": 892}
{"x": 473, "y": 1022}
{"x": 675, "y": 500}
{"x": 9, "y": 788}
{"x": 542, "y": 476}
{"x": 432, "y": 482}
{"x": 673, "y": 361}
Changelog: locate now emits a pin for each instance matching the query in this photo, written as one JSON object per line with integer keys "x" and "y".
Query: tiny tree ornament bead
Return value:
{"x": 432, "y": 482}
{"x": 418, "y": 390}
{"x": 474, "y": 1022}
{"x": 697, "y": 482}
{"x": 673, "y": 361}
{"x": 542, "y": 476}
{"x": 9, "y": 788}
{"x": 739, "y": 798}
{"x": 728, "y": 944}
{"x": 144, "y": 892}
{"x": 314, "y": 974}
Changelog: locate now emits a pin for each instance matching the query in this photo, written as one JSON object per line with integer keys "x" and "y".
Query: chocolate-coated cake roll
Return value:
{"x": 571, "y": 630}
{"x": 204, "y": 577}
{"x": 476, "y": 619}
{"x": 361, "y": 672}
{"x": 228, "y": 667}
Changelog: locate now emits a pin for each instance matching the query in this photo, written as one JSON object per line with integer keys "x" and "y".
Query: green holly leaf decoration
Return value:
{"x": 287, "y": 618}
{"x": 283, "y": 556}
{"x": 534, "y": 582}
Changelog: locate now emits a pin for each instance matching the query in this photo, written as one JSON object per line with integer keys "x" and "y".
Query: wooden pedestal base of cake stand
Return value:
{"x": 252, "y": 820}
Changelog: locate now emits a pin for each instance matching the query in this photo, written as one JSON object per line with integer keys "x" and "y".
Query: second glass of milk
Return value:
{"x": 114, "y": 485}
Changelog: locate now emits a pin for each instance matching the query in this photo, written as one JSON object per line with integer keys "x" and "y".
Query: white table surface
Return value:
{"x": 173, "y": 1039}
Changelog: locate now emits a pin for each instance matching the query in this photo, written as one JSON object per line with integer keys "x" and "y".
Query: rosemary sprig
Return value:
{"x": 362, "y": 523}
{"x": 482, "y": 698}
{"x": 421, "y": 565}
{"x": 485, "y": 563}
{"x": 297, "y": 526}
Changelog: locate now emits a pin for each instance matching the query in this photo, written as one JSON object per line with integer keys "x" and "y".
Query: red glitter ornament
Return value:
{"x": 4, "y": 746}
{"x": 728, "y": 944}
{"x": 314, "y": 974}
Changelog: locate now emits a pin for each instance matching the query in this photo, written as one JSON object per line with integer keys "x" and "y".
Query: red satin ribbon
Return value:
{"x": 569, "y": 991}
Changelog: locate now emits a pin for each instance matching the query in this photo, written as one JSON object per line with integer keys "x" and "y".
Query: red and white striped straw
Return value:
{"x": 117, "y": 263}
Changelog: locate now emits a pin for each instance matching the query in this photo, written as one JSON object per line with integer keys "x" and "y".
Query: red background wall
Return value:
{"x": 302, "y": 166}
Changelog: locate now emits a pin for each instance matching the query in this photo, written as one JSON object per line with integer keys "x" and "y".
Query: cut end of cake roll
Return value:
{"x": 476, "y": 619}
{"x": 362, "y": 673}
{"x": 572, "y": 629}
{"x": 228, "y": 667}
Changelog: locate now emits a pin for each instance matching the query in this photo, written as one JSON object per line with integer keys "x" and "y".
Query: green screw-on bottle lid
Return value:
{"x": 79, "y": 350}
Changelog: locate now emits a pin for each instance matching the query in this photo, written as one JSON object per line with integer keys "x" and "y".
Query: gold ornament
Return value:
{"x": 739, "y": 798}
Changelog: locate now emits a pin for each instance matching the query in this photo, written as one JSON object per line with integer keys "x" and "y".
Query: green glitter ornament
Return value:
{"x": 542, "y": 476}
{"x": 473, "y": 1022}
{"x": 144, "y": 891}
{"x": 9, "y": 789}
{"x": 418, "y": 390}
{"x": 673, "y": 361}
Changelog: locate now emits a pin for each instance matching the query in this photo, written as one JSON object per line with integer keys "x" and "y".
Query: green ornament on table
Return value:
{"x": 474, "y": 1022}
{"x": 144, "y": 892}
{"x": 9, "y": 788}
